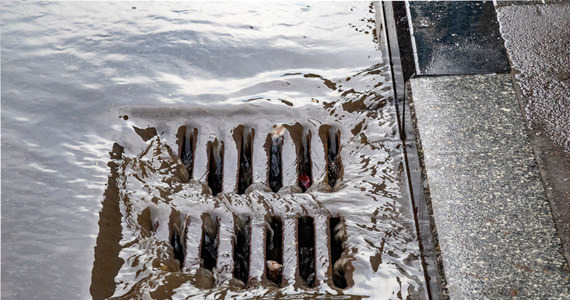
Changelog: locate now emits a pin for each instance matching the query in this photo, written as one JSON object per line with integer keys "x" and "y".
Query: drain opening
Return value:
{"x": 187, "y": 146}
{"x": 306, "y": 244}
{"x": 209, "y": 249}
{"x": 274, "y": 250}
{"x": 245, "y": 160}
{"x": 331, "y": 141}
{"x": 215, "y": 166}
{"x": 305, "y": 165}
{"x": 337, "y": 236}
{"x": 176, "y": 243}
{"x": 241, "y": 248}
{"x": 275, "y": 140}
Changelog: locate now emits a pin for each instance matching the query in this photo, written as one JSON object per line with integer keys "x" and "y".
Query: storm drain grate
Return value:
{"x": 270, "y": 202}
{"x": 303, "y": 229}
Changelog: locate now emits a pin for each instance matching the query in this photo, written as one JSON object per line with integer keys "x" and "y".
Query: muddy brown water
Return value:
{"x": 79, "y": 77}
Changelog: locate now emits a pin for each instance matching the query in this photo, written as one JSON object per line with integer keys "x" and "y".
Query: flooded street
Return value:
{"x": 79, "y": 77}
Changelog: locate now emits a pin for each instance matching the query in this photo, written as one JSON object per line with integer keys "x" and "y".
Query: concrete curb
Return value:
{"x": 494, "y": 224}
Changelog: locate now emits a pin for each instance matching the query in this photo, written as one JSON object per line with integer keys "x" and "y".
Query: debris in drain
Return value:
{"x": 187, "y": 146}
{"x": 274, "y": 270}
{"x": 337, "y": 233}
{"x": 215, "y": 166}
{"x": 241, "y": 248}
{"x": 209, "y": 249}
{"x": 274, "y": 249}
{"x": 245, "y": 161}
{"x": 275, "y": 160}
{"x": 306, "y": 243}
{"x": 305, "y": 164}
{"x": 155, "y": 225}
{"x": 340, "y": 269}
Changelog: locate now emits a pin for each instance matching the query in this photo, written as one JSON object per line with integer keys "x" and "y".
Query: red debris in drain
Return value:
{"x": 304, "y": 181}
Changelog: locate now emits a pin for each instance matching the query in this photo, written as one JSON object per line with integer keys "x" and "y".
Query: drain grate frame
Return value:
{"x": 335, "y": 143}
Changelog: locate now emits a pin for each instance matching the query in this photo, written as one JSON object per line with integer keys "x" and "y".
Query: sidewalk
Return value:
{"x": 497, "y": 187}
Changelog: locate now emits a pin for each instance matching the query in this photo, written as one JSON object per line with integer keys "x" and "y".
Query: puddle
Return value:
{"x": 78, "y": 82}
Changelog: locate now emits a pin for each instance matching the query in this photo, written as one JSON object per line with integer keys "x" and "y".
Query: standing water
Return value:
{"x": 104, "y": 195}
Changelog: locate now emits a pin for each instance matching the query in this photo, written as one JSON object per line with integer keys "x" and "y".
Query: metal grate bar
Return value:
{"x": 257, "y": 258}
{"x": 322, "y": 261}
{"x": 225, "y": 263}
{"x": 289, "y": 161}
{"x": 192, "y": 247}
{"x": 290, "y": 262}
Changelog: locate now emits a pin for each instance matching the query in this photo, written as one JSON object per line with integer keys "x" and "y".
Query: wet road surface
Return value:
{"x": 74, "y": 75}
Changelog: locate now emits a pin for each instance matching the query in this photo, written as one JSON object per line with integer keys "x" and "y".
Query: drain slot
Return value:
{"x": 209, "y": 249}
{"x": 187, "y": 147}
{"x": 245, "y": 167}
{"x": 274, "y": 250}
{"x": 215, "y": 166}
{"x": 275, "y": 139}
{"x": 241, "y": 248}
{"x": 306, "y": 244}
{"x": 332, "y": 144}
{"x": 305, "y": 164}
{"x": 337, "y": 236}
{"x": 176, "y": 243}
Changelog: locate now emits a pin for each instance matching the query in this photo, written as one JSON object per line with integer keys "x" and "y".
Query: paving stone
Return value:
{"x": 538, "y": 43}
